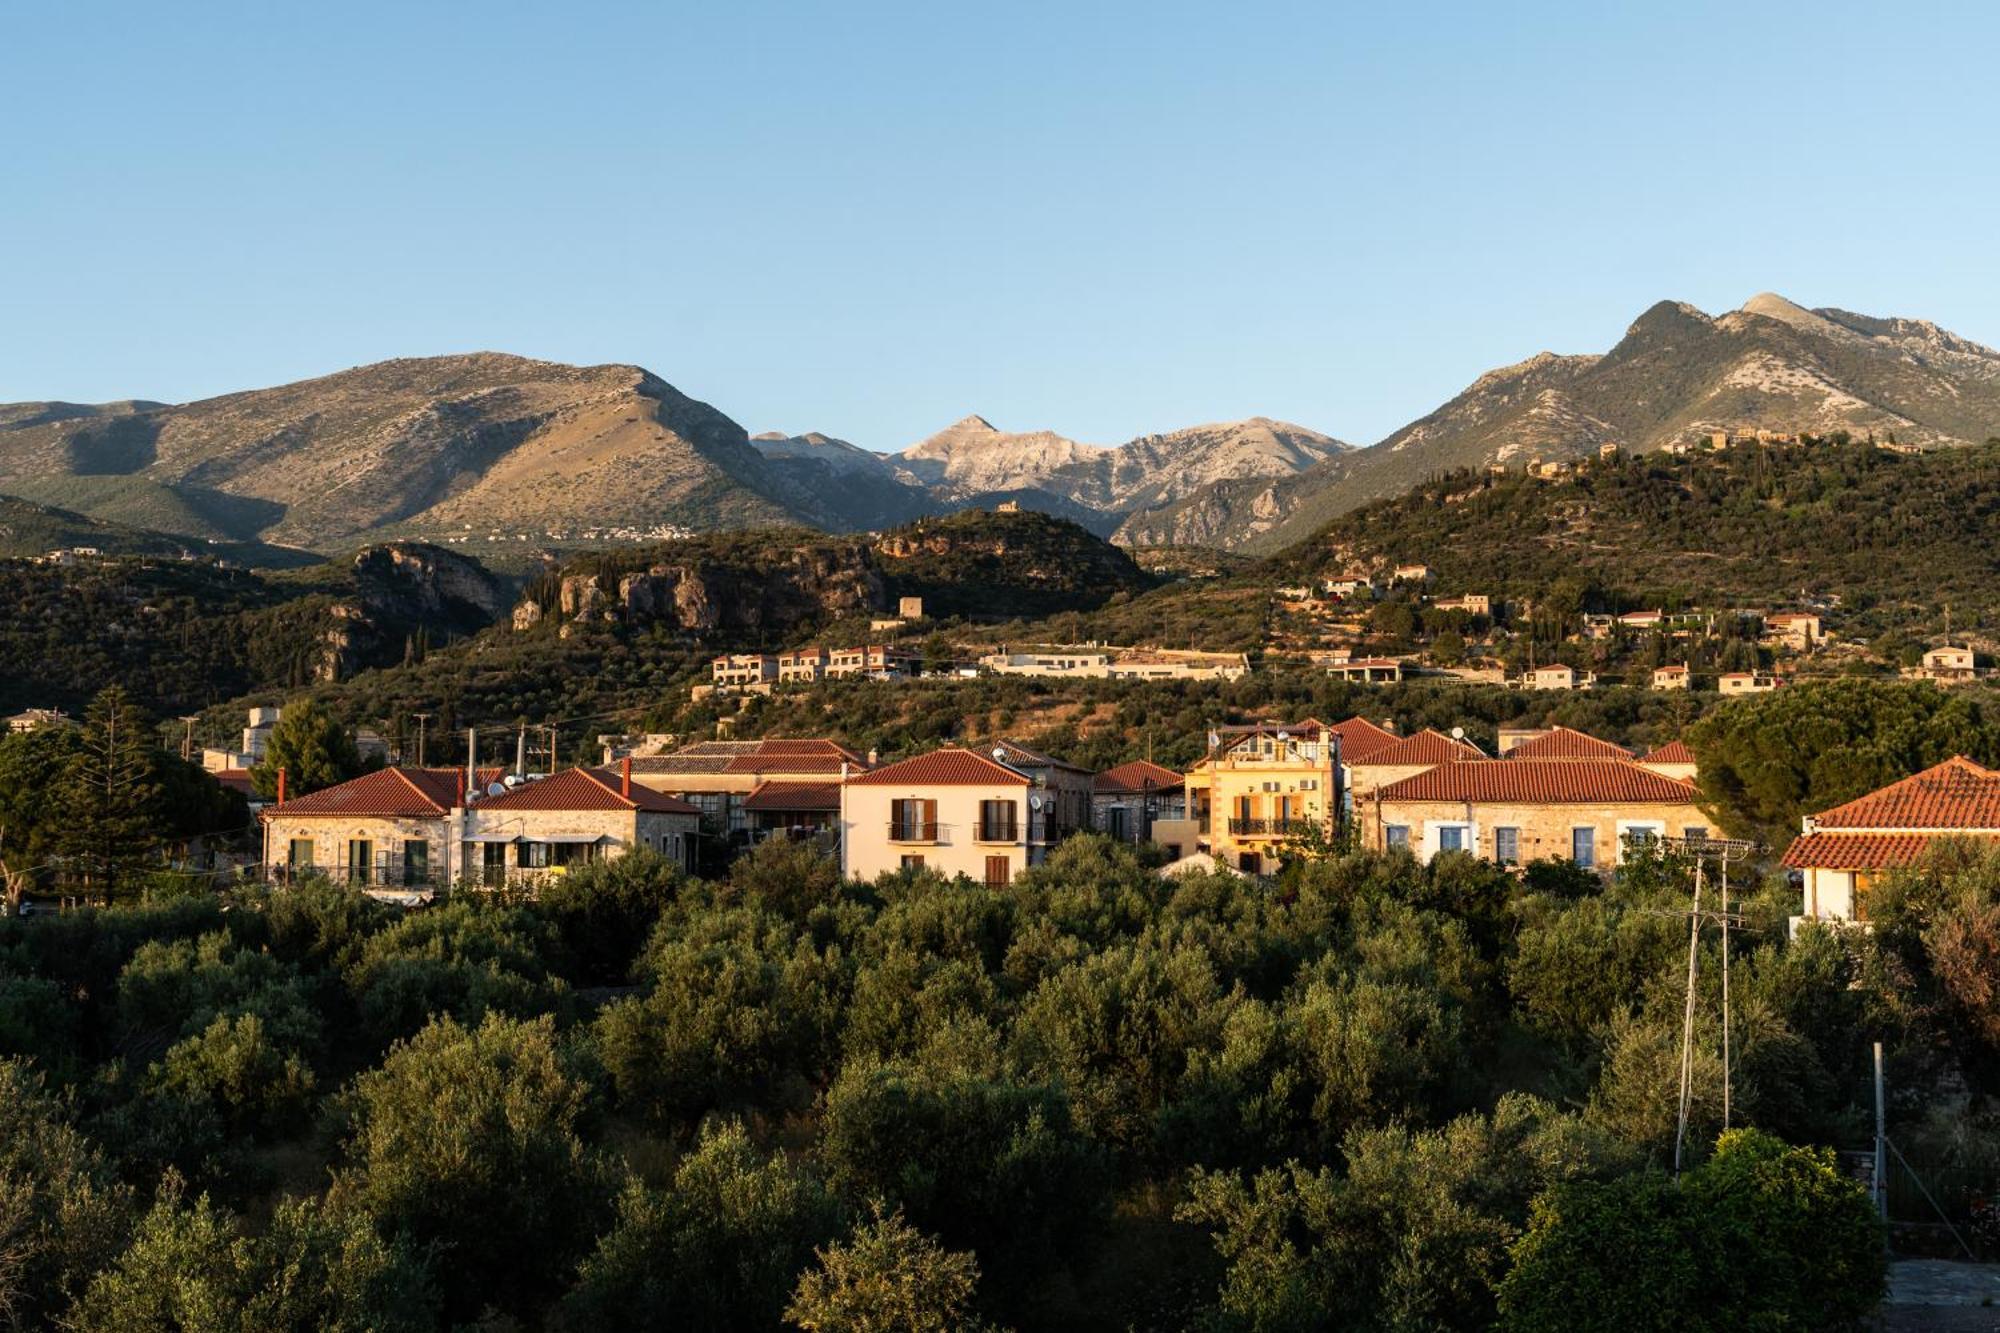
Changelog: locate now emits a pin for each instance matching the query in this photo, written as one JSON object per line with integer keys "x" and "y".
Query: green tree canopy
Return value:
{"x": 313, "y": 749}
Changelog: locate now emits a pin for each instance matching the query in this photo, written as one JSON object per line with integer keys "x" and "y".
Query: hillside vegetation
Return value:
{"x": 1893, "y": 538}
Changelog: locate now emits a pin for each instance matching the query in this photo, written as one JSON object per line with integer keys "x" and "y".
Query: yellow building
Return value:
{"x": 1263, "y": 786}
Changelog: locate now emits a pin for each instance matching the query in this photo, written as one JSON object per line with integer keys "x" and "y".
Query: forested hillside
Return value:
{"x": 1893, "y": 539}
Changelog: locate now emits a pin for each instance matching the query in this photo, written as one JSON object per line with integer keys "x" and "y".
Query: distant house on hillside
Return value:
{"x": 737, "y": 670}
{"x": 1732, "y": 683}
{"x": 1799, "y": 630}
{"x": 1950, "y": 663}
{"x": 1473, "y": 603}
{"x": 1366, "y": 670}
{"x": 1671, "y": 677}
{"x": 1557, "y": 676}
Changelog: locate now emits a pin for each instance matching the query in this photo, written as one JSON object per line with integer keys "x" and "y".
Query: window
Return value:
{"x": 913, "y": 820}
{"x": 533, "y": 856}
{"x": 913, "y": 862}
{"x": 1583, "y": 847}
{"x": 1250, "y": 864}
{"x": 1507, "y": 846}
{"x": 1451, "y": 838}
{"x": 416, "y": 861}
{"x": 998, "y": 872}
{"x": 493, "y": 864}
{"x": 360, "y": 856}
{"x": 997, "y": 821}
{"x": 1397, "y": 835}
{"x": 299, "y": 856}
{"x": 1694, "y": 833}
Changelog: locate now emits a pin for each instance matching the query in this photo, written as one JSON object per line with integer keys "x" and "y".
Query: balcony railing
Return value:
{"x": 999, "y": 831}
{"x": 913, "y": 831}
{"x": 1271, "y": 828}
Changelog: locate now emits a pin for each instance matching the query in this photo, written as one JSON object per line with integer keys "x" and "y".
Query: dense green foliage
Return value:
{"x": 1765, "y": 762}
{"x": 1374, "y": 1095}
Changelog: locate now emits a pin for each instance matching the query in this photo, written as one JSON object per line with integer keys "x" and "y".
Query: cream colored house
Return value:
{"x": 1558, "y": 676}
{"x": 874, "y": 661}
{"x": 1843, "y": 852}
{"x": 1367, "y": 670}
{"x": 736, "y": 670}
{"x": 803, "y": 665}
{"x": 1733, "y": 683}
{"x": 1798, "y": 630}
{"x": 953, "y": 811}
{"x": 1950, "y": 663}
{"x": 1057, "y": 662}
{"x": 1173, "y": 664}
{"x": 1519, "y": 810}
{"x": 1672, "y": 677}
{"x": 1474, "y": 603}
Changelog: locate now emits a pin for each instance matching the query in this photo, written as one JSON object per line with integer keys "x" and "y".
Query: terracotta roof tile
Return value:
{"x": 949, "y": 767}
{"x": 388, "y": 793}
{"x": 1673, "y": 752}
{"x": 1600, "y": 782}
{"x": 1421, "y": 747}
{"x": 1567, "y": 743}
{"x": 586, "y": 789}
{"x": 1360, "y": 738}
{"x": 780, "y": 796}
{"x": 1020, "y": 756}
{"x": 1134, "y": 777}
{"x": 1956, "y": 794}
{"x": 1855, "y": 851}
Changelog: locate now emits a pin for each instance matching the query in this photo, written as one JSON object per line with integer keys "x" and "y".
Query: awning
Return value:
{"x": 568, "y": 838}
{"x": 492, "y": 837}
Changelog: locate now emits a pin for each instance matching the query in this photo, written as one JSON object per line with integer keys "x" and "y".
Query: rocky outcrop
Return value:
{"x": 773, "y": 588}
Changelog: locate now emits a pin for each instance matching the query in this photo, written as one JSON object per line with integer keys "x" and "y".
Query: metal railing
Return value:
{"x": 999, "y": 830}
{"x": 913, "y": 831}
{"x": 1270, "y": 828}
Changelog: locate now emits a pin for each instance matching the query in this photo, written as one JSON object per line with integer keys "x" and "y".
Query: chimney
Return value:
{"x": 521, "y": 754}
{"x": 625, "y": 778}
{"x": 281, "y": 786}
{"x": 471, "y": 763}
{"x": 459, "y": 798}
{"x": 873, "y": 757}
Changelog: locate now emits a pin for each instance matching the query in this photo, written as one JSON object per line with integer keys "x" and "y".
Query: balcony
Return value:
{"x": 909, "y": 831}
{"x": 998, "y": 831}
{"x": 1272, "y": 828}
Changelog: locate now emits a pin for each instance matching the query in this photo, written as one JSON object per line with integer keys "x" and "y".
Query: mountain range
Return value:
{"x": 1677, "y": 374}
{"x": 490, "y": 446}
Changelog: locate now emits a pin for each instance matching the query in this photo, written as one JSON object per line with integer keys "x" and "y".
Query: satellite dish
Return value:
{"x": 1284, "y": 735}
{"x": 1458, "y": 733}
{"x": 1000, "y": 753}
{"x": 1034, "y": 802}
{"x": 496, "y": 789}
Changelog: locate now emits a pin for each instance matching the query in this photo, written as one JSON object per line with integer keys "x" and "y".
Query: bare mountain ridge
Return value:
{"x": 1676, "y": 374}
{"x": 414, "y": 446}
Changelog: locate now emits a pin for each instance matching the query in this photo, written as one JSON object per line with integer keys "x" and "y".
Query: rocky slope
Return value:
{"x": 411, "y": 447}
{"x": 1677, "y": 374}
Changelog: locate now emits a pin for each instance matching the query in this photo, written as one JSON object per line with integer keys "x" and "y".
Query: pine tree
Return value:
{"x": 110, "y": 797}
{"x": 312, "y": 748}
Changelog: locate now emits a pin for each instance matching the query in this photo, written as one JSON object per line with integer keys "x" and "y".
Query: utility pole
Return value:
{"x": 1687, "y": 1022}
{"x": 187, "y": 740}
{"x": 421, "y": 719}
{"x": 1725, "y": 993}
{"x": 1879, "y": 1185}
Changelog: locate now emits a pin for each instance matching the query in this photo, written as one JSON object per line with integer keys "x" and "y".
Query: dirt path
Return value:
{"x": 1934, "y": 1294}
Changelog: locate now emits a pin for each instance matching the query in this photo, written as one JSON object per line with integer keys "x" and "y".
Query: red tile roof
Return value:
{"x": 1134, "y": 778}
{"x": 784, "y": 796}
{"x": 1956, "y": 794}
{"x": 1598, "y": 782}
{"x": 1421, "y": 747}
{"x": 1360, "y": 738}
{"x": 796, "y": 761}
{"x": 1855, "y": 851}
{"x": 236, "y": 779}
{"x": 1673, "y": 752}
{"x": 586, "y": 789}
{"x": 390, "y": 793}
{"x": 1567, "y": 743}
{"x": 951, "y": 767}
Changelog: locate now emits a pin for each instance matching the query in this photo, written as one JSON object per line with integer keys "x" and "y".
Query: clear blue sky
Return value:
{"x": 872, "y": 219}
